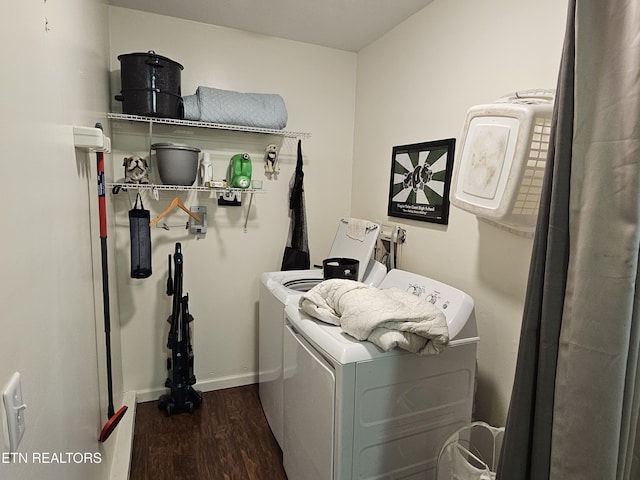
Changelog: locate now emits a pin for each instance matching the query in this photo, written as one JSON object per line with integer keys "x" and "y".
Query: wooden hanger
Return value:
{"x": 176, "y": 202}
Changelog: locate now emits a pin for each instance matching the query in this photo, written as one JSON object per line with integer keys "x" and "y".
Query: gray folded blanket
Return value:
{"x": 262, "y": 110}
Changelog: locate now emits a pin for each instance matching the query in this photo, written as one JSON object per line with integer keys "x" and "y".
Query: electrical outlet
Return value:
{"x": 14, "y": 410}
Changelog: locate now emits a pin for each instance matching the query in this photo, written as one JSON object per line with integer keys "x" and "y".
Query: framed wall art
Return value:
{"x": 421, "y": 180}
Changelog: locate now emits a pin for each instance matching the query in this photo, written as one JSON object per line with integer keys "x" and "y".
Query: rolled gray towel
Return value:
{"x": 262, "y": 110}
{"x": 191, "y": 107}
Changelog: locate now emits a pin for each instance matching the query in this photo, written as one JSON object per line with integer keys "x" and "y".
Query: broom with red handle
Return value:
{"x": 113, "y": 417}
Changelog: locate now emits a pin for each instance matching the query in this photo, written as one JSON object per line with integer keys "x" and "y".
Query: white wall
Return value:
{"x": 222, "y": 270}
{"x": 53, "y": 78}
{"x": 415, "y": 84}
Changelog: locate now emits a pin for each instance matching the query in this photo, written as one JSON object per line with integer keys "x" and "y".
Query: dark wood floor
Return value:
{"x": 226, "y": 438}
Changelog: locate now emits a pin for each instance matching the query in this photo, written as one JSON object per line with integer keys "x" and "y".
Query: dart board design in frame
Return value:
{"x": 420, "y": 181}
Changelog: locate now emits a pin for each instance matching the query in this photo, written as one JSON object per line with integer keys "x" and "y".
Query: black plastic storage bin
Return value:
{"x": 338, "y": 267}
{"x": 150, "y": 85}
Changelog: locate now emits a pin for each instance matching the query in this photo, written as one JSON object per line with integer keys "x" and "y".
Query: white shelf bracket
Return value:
{"x": 91, "y": 139}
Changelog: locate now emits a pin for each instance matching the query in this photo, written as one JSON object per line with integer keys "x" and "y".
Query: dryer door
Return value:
{"x": 309, "y": 400}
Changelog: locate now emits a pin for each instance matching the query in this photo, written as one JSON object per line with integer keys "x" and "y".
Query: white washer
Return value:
{"x": 277, "y": 290}
{"x": 353, "y": 411}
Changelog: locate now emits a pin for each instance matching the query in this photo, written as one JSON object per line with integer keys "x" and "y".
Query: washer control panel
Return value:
{"x": 434, "y": 296}
{"x": 455, "y": 304}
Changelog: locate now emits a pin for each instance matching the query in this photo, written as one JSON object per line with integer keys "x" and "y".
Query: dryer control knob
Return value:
{"x": 416, "y": 289}
{"x": 432, "y": 297}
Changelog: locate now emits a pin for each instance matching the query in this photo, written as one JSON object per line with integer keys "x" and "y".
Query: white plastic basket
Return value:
{"x": 471, "y": 453}
{"x": 502, "y": 158}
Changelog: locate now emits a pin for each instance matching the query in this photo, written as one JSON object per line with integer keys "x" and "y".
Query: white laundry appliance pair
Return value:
{"x": 278, "y": 289}
{"x": 353, "y": 411}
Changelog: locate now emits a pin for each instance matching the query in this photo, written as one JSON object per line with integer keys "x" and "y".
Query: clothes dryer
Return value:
{"x": 278, "y": 289}
{"x": 353, "y": 411}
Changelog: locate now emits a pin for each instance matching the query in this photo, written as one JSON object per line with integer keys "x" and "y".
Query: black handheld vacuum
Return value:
{"x": 182, "y": 397}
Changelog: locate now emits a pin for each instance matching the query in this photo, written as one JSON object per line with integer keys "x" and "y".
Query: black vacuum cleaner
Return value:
{"x": 182, "y": 397}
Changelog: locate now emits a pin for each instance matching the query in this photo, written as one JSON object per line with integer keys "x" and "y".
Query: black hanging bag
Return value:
{"x": 140, "y": 233}
{"x": 296, "y": 253}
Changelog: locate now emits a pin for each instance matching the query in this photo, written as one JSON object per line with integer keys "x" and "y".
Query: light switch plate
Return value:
{"x": 14, "y": 410}
{"x": 195, "y": 227}
{"x": 4, "y": 435}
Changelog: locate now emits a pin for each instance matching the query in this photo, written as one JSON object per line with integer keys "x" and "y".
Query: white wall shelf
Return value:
{"x": 214, "y": 126}
{"x": 219, "y": 192}
{"x": 91, "y": 139}
{"x": 182, "y": 188}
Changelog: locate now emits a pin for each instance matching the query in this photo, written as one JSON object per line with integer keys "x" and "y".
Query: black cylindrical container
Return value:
{"x": 346, "y": 268}
{"x": 150, "y": 85}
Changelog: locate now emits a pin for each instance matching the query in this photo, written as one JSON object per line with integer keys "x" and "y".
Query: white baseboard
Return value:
{"x": 210, "y": 385}
{"x": 121, "y": 463}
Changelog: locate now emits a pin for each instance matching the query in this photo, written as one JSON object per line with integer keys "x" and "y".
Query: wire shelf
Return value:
{"x": 214, "y": 126}
{"x": 182, "y": 188}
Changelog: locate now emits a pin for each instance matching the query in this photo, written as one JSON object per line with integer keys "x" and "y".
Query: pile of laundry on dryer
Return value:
{"x": 388, "y": 317}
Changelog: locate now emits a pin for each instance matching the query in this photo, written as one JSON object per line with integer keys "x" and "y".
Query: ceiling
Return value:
{"x": 342, "y": 24}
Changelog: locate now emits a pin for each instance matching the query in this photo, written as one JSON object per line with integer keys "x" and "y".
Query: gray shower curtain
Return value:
{"x": 576, "y": 394}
